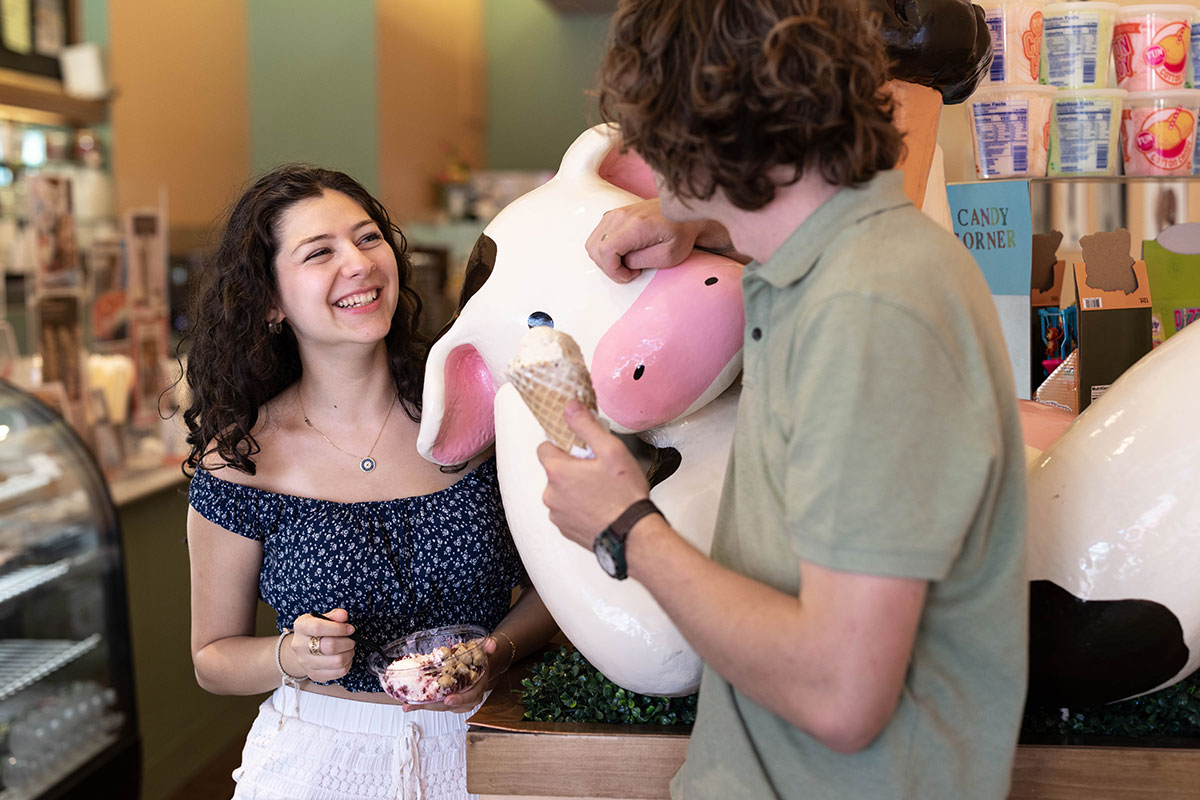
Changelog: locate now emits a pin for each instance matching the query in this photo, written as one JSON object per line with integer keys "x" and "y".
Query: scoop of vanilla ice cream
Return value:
{"x": 541, "y": 344}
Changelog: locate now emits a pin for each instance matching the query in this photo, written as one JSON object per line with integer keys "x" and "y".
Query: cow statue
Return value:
{"x": 1114, "y": 536}
{"x": 664, "y": 351}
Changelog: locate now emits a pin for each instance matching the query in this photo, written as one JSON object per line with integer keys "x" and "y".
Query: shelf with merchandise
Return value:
{"x": 39, "y": 100}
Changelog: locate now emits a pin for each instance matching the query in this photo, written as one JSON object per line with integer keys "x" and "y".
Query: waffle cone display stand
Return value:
{"x": 509, "y": 757}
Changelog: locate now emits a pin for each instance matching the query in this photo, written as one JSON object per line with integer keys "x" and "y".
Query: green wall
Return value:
{"x": 93, "y": 21}
{"x": 313, "y": 85}
{"x": 539, "y": 65}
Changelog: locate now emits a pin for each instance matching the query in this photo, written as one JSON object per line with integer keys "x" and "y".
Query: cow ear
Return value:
{"x": 626, "y": 170}
{"x": 457, "y": 421}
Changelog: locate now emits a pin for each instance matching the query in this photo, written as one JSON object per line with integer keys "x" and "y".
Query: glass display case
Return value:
{"x": 68, "y": 726}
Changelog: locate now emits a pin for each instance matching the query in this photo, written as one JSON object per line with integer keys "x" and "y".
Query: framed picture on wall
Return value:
{"x": 33, "y": 33}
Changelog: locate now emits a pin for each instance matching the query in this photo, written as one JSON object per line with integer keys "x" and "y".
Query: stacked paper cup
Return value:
{"x": 1151, "y": 51}
{"x": 1085, "y": 118}
{"x": 1010, "y": 112}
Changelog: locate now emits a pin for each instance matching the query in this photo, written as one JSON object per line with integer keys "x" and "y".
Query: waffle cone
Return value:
{"x": 547, "y": 387}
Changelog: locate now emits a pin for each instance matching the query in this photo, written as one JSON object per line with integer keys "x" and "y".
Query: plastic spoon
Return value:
{"x": 359, "y": 638}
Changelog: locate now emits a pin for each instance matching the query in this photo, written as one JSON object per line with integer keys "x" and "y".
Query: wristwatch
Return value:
{"x": 610, "y": 544}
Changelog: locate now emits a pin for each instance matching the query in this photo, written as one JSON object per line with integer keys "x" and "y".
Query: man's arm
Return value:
{"x": 635, "y": 237}
{"x": 831, "y": 661}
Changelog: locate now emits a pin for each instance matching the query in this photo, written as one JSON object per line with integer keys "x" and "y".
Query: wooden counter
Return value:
{"x": 508, "y": 757}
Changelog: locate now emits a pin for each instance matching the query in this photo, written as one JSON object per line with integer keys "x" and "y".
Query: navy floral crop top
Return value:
{"x": 396, "y": 566}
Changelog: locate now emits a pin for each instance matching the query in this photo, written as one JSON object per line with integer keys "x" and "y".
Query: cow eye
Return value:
{"x": 540, "y": 318}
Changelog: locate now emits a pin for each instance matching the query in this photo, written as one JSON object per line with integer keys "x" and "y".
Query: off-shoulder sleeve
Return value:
{"x": 236, "y": 508}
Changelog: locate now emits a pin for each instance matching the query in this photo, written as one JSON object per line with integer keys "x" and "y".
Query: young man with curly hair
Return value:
{"x": 863, "y": 613}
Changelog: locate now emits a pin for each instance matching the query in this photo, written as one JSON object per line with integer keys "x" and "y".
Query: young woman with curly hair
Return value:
{"x": 306, "y": 372}
{"x": 863, "y": 612}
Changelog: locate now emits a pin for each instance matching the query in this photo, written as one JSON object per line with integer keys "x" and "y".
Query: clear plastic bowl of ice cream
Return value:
{"x": 429, "y": 666}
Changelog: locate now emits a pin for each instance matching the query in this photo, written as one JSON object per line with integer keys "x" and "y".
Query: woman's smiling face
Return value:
{"x": 337, "y": 275}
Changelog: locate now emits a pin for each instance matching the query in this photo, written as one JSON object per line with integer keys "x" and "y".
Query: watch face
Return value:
{"x": 604, "y": 557}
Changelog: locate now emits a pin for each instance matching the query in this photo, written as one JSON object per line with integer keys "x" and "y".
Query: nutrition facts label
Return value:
{"x": 1070, "y": 42}
{"x": 1194, "y": 44}
{"x": 1002, "y": 134}
{"x": 995, "y": 22}
{"x": 1084, "y": 129}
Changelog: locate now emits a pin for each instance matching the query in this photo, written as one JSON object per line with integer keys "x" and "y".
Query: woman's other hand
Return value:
{"x": 322, "y": 647}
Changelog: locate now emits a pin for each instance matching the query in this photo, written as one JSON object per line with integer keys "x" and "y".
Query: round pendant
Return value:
{"x": 367, "y": 464}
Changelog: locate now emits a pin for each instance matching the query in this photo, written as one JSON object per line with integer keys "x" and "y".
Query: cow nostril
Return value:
{"x": 540, "y": 318}
{"x": 637, "y": 373}
{"x": 710, "y": 281}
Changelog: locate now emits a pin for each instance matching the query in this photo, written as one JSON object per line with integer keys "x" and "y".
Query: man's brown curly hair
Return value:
{"x": 716, "y": 93}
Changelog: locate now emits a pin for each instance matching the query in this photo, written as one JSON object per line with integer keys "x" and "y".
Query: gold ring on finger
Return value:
{"x": 314, "y": 645}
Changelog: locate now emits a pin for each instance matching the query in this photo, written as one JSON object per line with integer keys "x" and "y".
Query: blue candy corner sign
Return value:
{"x": 993, "y": 220}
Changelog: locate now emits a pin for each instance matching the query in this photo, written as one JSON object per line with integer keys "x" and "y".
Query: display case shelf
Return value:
{"x": 24, "y": 662}
{"x": 25, "y": 579}
{"x": 64, "y": 768}
{"x": 1110, "y": 179}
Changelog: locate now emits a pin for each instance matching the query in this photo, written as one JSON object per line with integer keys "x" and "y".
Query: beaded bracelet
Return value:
{"x": 511, "y": 644}
{"x": 287, "y": 677}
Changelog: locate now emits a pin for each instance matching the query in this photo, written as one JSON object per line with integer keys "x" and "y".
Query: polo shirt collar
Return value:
{"x": 800, "y": 252}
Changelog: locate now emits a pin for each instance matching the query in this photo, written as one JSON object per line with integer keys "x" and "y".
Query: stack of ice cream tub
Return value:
{"x": 1073, "y": 122}
{"x": 1151, "y": 51}
{"x": 1085, "y": 113}
{"x": 1010, "y": 112}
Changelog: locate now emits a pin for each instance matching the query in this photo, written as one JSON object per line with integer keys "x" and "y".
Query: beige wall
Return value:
{"x": 179, "y": 118}
{"x": 431, "y": 96}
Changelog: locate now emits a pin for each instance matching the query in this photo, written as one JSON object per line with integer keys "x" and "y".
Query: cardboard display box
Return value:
{"x": 1112, "y": 294}
{"x": 1045, "y": 293}
{"x": 1173, "y": 267}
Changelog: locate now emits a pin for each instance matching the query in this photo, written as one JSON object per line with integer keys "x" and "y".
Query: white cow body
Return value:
{"x": 682, "y": 329}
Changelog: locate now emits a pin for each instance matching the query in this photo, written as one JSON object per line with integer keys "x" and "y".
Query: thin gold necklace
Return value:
{"x": 367, "y": 464}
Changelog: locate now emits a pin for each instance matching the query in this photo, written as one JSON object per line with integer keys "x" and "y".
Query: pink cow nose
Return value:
{"x": 671, "y": 344}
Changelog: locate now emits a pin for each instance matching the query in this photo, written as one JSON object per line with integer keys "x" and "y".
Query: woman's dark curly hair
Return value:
{"x": 235, "y": 364}
{"x": 715, "y": 93}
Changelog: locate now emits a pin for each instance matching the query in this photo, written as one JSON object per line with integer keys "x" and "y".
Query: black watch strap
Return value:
{"x": 610, "y": 543}
{"x": 630, "y": 516}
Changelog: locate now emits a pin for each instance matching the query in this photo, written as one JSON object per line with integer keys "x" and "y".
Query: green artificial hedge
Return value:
{"x": 564, "y": 687}
{"x": 1170, "y": 712}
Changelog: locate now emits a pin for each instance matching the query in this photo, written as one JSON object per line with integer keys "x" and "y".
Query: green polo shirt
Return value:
{"x": 877, "y": 433}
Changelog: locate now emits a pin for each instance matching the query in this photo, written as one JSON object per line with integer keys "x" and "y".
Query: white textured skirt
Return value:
{"x": 305, "y": 746}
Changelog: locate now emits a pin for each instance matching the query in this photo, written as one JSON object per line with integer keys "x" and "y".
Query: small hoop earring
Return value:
{"x": 275, "y": 327}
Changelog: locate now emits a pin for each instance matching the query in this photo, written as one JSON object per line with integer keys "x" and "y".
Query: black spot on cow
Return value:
{"x": 479, "y": 268}
{"x": 1088, "y": 652}
{"x": 663, "y": 463}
